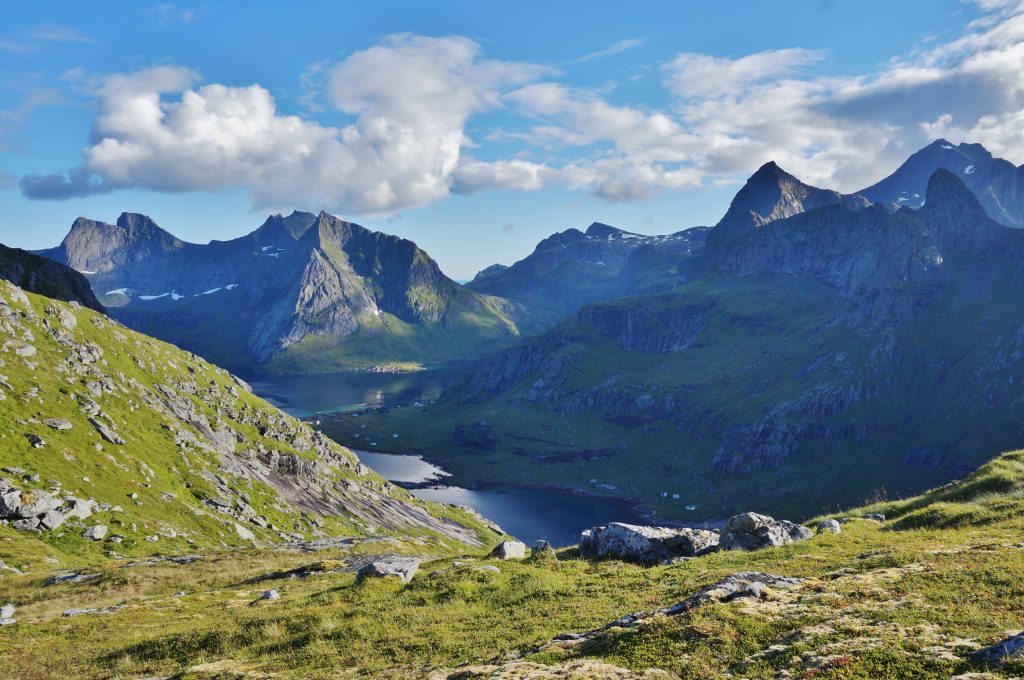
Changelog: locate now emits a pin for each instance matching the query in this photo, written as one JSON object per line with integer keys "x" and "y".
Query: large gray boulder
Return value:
{"x": 36, "y": 503}
{"x": 645, "y": 544}
{"x": 399, "y": 566}
{"x": 830, "y": 525}
{"x": 509, "y": 550}
{"x": 95, "y": 533}
{"x": 7, "y": 615}
{"x": 752, "y": 531}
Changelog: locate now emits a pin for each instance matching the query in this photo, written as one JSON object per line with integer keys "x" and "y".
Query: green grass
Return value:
{"x": 171, "y": 482}
{"x": 881, "y": 602}
{"x": 949, "y": 388}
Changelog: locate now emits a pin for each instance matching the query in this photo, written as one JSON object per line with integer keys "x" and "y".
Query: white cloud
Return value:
{"x": 411, "y": 97}
{"x": 611, "y": 50}
{"x": 691, "y": 76}
{"x": 41, "y": 36}
{"x": 168, "y": 13}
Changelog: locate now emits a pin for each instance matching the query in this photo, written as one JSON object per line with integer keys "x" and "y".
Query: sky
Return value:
{"x": 477, "y": 129}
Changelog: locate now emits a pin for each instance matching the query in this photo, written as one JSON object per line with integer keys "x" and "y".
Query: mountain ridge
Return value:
{"x": 303, "y": 289}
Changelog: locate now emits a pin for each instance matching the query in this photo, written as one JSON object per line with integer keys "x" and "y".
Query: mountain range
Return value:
{"x": 819, "y": 352}
{"x": 303, "y": 293}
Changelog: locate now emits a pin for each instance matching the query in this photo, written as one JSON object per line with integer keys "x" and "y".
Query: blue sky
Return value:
{"x": 476, "y": 129}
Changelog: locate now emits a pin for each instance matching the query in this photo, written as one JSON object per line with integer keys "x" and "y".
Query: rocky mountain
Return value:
{"x": 573, "y": 268}
{"x": 44, "y": 276}
{"x": 118, "y": 440}
{"x": 302, "y": 293}
{"x": 819, "y": 358}
{"x": 997, "y": 183}
{"x": 772, "y": 194}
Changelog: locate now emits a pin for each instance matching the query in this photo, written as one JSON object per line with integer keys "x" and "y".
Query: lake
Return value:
{"x": 527, "y": 513}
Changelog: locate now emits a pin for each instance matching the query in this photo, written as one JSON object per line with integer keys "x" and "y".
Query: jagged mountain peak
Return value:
{"x": 998, "y": 184}
{"x": 769, "y": 194}
{"x": 293, "y": 226}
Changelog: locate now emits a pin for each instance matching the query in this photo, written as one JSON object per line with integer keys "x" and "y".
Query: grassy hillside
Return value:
{"x": 888, "y": 413}
{"x": 172, "y": 453}
{"x": 908, "y": 598}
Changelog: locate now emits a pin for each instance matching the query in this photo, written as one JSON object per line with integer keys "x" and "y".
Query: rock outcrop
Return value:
{"x": 645, "y": 544}
{"x": 752, "y": 531}
{"x": 402, "y": 567}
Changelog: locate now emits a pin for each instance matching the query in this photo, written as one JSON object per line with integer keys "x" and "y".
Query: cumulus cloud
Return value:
{"x": 411, "y": 97}
{"x": 730, "y": 115}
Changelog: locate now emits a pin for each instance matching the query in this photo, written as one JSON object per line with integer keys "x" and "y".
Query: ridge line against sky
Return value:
{"x": 448, "y": 129}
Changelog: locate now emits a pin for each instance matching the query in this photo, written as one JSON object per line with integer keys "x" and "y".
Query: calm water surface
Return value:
{"x": 529, "y": 514}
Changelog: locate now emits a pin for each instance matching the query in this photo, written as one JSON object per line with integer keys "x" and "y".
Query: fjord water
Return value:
{"x": 527, "y": 513}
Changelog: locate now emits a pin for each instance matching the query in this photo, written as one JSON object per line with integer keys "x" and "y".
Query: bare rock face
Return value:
{"x": 399, "y": 566}
{"x": 751, "y": 531}
{"x": 644, "y": 544}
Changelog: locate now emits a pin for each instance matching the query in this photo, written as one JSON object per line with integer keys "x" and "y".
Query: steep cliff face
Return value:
{"x": 826, "y": 354}
{"x": 301, "y": 293}
{"x": 997, "y": 183}
{"x": 40, "y": 275}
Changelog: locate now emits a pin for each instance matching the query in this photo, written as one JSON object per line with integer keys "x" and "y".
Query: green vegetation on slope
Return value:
{"x": 837, "y": 412}
{"x": 879, "y": 600}
{"x": 176, "y": 453}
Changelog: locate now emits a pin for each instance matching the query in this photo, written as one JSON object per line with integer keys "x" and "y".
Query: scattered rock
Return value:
{"x": 877, "y": 516}
{"x": 542, "y": 552}
{"x": 244, "y": 533}
{"x": 100, "y": 610}
{"x": 829, "y": 525}
{"x": 509, "y": 550}
{"x": 272, "y": 594}
{"x": 999, "y": 653}
{"x": 399, "y": 566}
{"x": 70, "y": 577}
{"x": 57, "y": 424}
{"x": 95, "y": 533}
{"x": 35, "y": 440}
{"x": 752, "y": 531}
{"x": 7, "y": 615}
{"x": 644, "y": 544}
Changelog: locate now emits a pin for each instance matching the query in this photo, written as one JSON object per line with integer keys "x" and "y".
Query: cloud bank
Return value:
{"x": 411, "y": 99}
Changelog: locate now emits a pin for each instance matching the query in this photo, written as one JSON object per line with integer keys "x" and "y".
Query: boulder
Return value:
{"x": 7, "y": 615}
{"x": 244, "y": 533}
{"x": 645, "y": 544}
{"x": 52, "y": 520}
{"x": 542, "y": 551}
{"x": 998, "y": 654}
{"x": 35, "y": 503}
{"x": 57, "y": 424}
{"x": 79, "y": 508}
{"x": 10, "y": 503}
{"x": 400, "y": 566}
{"x": 509, "y": 550}
{"x": 877, "y": 516}
{"x": 95, "y": 533}
{"x": 829, "y": 525}
{"x": 752, "y": 531}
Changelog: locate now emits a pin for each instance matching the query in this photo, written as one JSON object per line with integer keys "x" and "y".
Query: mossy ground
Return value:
{"x": 899, "y": 599}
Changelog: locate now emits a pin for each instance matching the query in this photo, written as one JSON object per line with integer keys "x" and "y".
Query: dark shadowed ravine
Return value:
{"x": 530, "y": 514}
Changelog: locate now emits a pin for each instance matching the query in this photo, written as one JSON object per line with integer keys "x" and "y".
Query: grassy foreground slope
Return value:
{"x": 170, "y": 453}
{"x": 908, "y": 598}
